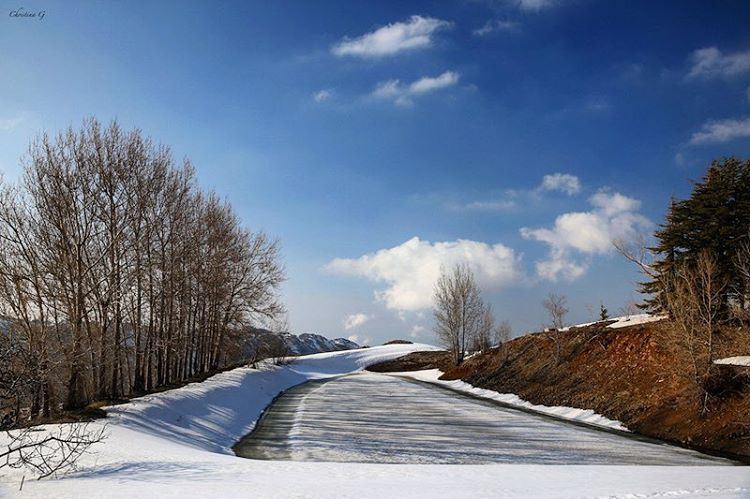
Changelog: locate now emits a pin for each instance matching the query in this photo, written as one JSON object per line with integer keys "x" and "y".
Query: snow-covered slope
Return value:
{"x": 742, "y": 361}
{"x": 623, "y": 321}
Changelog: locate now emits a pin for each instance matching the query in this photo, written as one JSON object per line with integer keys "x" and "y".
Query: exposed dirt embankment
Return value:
{"x": 635, "y": 375}
{"x": 417, "y": 361}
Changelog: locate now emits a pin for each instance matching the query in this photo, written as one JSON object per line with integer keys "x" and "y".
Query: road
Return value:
{"x": 376, "y": 418}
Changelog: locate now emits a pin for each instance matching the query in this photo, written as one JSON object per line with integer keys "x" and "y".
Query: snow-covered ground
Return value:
{"x": 742, "y": 361}
{"x": 178, "y": 444}
{"x": 570, "y": 413}
{"x": 624, "y": 321}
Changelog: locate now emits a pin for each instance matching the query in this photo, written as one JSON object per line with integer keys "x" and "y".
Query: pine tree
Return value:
{"x": 716, "y": 217}
{"x": 603, "y": 312}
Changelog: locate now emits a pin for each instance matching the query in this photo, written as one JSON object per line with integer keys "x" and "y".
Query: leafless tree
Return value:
{"x": 629, "y": 308}
{"x": 49, "y": 451}
{"x": 278, "y": 349}
{"x": 118, "y": 274}
{"x": 740, "y": 305}
{"x": 636, "y": 251}
{"x": 556, "y": 308}
{"x": 458, "y": 310}
{"x": 695, "y": 305}
{"x": 483, "y": 339}
{"x": 503, "y": 333}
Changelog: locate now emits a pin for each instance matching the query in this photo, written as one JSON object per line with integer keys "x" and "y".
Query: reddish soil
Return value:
{"x": 635, "y": 375}
{"x": 417, "y": 361}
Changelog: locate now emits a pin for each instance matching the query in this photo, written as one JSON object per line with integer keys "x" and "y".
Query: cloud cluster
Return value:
{"x": 496, "y": 26}
{"x": 513, "y": 198}
{"x": 534, "y": 5}
{"x": 403, "y": 95}
{"x": 718, "y": 132}
{"x": 359, "y": 340}
{"x": 491, "y": 205}
{"x": 614, "y": 216}
{"x": 8, "y": 124}
{"x": 710, "y": 62}
{"x": 416, "y": 33}
{"x": 322, "y": 95}
{"x": 353, "y": 321}
{"x": 563, "y": 182}
{"x": 409, "y": 270}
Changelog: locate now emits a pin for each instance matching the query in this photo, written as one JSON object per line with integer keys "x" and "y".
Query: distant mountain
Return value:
{"x": 307, "y": 343}
{"x": 303, "y": 344}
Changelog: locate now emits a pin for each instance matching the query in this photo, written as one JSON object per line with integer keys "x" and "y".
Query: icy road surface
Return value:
{"x": 383, "y": 419}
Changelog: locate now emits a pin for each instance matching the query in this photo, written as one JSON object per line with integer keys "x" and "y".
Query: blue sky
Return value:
{"x": 380, "y": 140}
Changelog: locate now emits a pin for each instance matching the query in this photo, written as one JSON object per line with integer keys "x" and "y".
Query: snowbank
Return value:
{"x": 214, "y": 414}
{"x": 624, "y": 321}
{"x": 570, "y": 413}
{"x": 743, "y": 361}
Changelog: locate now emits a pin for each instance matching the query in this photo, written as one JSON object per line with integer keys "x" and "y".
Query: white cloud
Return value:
{"x": 359, "y": 340}
{"x": 563, "y": 182}
{"x": 403, "y": 94}
{"x": 416, "y": 33}
{"x": 417, "y": 331}
{"x": 717, "y": 132}
{"x": 492, "y": 205}
{"x": 409, "y": 270}
{"x": 353, "y": 321}
{"x": 8, "y": 124}
{"x": 497, "y": 26}
{"x": 535, "y": 5}
{"x": 614, "y": 216}
{"x": 511, "y": 199}
{"x": 322, "y": 95}
{"x": 710, "y": 62}
{"x": 680, "y": 159}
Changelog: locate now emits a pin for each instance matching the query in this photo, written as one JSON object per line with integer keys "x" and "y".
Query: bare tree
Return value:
{"x": 557, "y": 310}
{"x": 278, "y": 350}
{"x": 49, "y": 451}
{"x": 740, "y": 305}
{"x": 502, "y": 333}
{"x": 629, "y": 308}
{"x": 458, "y": 310}
{"x": 483, "y": 339}
{"x": 636, "y": 251}
{"x": 119, "y": 274}
{"x": 695, "y": 304}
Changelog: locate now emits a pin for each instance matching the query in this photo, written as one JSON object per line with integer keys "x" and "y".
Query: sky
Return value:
{"x": 383, "y": 141}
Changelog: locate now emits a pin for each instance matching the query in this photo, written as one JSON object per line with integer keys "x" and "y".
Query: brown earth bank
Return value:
{"x": 417, "y": 361}
{"x": 638, "y": 375}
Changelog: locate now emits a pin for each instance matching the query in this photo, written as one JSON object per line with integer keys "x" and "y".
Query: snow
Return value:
{"x": 569, "y": 413}
{"x": 623, "y": 321}
{"x": 178, "y": 444}
{"x": 743, "y": 361}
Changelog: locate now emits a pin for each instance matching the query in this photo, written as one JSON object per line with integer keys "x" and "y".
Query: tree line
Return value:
{"x": 698, "y": 270}
{"x": 118, "y": 274}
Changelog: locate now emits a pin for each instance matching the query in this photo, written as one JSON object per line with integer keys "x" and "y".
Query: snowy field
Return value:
{"x": 178, "y": 444}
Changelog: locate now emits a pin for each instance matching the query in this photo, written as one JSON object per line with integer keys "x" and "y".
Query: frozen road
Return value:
{"x": 376, "y": 418}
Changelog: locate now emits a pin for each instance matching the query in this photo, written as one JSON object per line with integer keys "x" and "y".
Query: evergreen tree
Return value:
{"x": 716, "y": 217}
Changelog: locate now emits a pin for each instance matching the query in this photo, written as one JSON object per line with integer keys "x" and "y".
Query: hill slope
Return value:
{"x": 631, "y": 374}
